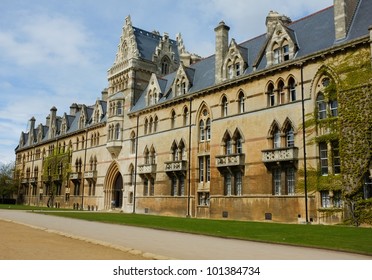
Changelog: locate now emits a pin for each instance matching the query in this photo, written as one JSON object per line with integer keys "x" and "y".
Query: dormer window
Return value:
{"x": 285, "y": 50}
{"x": 165, "y": 62}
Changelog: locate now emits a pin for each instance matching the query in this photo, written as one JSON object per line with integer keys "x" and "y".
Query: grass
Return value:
{"x": 31, "y": 208}
{"x": 342, "y": 238}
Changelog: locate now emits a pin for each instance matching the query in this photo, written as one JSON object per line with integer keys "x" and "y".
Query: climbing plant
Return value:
{"x": 352, "y": 128}
{"x": 56, "y": 169}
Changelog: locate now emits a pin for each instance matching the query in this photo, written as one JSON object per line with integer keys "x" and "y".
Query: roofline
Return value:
{"x": 295, "y": 62}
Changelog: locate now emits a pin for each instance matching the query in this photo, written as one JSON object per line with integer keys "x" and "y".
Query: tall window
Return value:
{"x": 241, "y": 102}
{"x": 291, "y": 180}
{"x": 228, "y": 184}
{"x": 117, "y": 131}
{"x": 323, "y": 155}
{"x": 277, "y": 181}
{"x": 208, "y": 129}
{"x": 292, "y": 90}
{"x": 165, "y": 62}
{"x": 201, "y": 130}
{"x": 119, "y": 108}
{"x": 173, "y": 119}
{"x": 325, "y": 199}
{"x": 185, "y": 116}
{"x": 133, "y": 143}
{"x": 322, "y": 107}
{"x": 224, "y": 105}
{"x": 336, "y": 162}
{"x": 271, "y": 95}
{"x": 238, "y": 183}
{"x": 276, "y": 138}
{"x": 204, "y": 169}
{"x": 290, "y": 137}
{"x": 281, "y": 92}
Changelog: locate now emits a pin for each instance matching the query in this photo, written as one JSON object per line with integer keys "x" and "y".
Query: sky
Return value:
{"x": 55, "y": 53}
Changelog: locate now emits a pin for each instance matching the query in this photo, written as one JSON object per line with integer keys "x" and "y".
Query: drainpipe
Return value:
{"x": 189, "y": 167}
{"x": 83, "y": 176}
{"x": 304, "y": 140}
{"x": 135, "y": 168}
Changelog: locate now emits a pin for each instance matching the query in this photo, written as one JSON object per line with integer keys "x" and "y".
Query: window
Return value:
{"x": 185, "y": 116}
{"x": 117, "y": 131}
{"x": 271, "y": 95}
{"x": 145, "y": 127}
{"x": 228, "y": 184}
{"x": 277, "y": 181}
{"x": 119, "y": 108}
{"x": 285, "y": 52}
{"x": 224, "y": 105}
{"x": 238, "y": 183}
{"x": 291, "y": 181}
{"x": 201, "y": 130}
{"x": 322, "y": 107}
{"x": 173, "y": 119}
{"x": 228, "y": 145}
{"x": 277, "y": 56}
{"x": 336, "y": 162}
{"x": 133, "y": 143}
{"x": 156, "y": 123}
{"x": 165, "y": 65}
{"x": 323, "y": 155}
{"x": 292, "y": 90}
{"x": 333, "y": 104}
{"x": 208, "y": 129}
{"x": 290, "y": 137}
{"x": 204, "y": 169}
{"x": 281, "y": 93}
{"x": 337, "y": 199}
{"x": 237, "y": 69}
{"x": 276, "y": 138}
{"x": 325, "y": 199}
{"x": 241, "y": 102}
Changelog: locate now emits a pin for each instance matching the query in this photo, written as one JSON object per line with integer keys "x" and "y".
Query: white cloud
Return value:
{"x": 47, "y": 40}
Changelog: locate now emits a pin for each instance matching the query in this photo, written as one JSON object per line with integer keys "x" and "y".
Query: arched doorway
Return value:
{"x": 117, "y": 194}
{"x": 114, "y": 187}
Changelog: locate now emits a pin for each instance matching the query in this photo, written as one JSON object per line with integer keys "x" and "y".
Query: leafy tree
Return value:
{"x": 8, "y": 184}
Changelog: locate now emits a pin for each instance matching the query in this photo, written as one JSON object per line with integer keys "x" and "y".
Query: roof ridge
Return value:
{"x": 311, "y": 15}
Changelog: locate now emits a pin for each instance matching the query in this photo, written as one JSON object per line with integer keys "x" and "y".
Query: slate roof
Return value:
{"x": 148, "y": 41}
{"x": 312, "y": 34}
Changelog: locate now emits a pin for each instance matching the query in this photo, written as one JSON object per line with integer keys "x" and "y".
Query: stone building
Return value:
{"x": 227, "y": 136}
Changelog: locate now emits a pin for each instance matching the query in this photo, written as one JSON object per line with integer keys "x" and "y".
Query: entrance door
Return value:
{"x": 118, "y": 192}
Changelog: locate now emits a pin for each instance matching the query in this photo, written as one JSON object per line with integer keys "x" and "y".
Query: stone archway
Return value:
{"x": 117, "y": 192}
{"x": 114, "y": 187}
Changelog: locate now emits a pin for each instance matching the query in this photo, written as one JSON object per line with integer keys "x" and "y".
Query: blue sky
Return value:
{"x": 55, "y": 53}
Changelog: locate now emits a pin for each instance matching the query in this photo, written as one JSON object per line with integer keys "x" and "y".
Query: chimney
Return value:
{"x": 343, "y": 14}
{"x": 222, "y": 46}
{"x": 73, "y": 109}
{"x": 272, "y": 20}
{"x": 52, "y": 122}
{"x": 104, "y": 94}
{"x": 31, "y": 132}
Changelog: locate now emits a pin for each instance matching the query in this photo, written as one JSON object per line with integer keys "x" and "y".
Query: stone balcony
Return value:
{"x": 74, "y": 176}
{"x": 24, "y": 180}
{"x": 146, "y": 170}
{"x": 177, "y": 166}
{"x": 280, "y": 155}
{"x": 230, "y": 161}
{"x": 90, "y": 175}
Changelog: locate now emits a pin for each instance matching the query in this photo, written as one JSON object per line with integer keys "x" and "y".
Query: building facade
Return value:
{"x": 256, "y": 131}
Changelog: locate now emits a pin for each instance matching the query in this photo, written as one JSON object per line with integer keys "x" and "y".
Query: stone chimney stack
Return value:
{"x": 31, "y": 132}
{"x": 343, "y": 15}
{"x": 73, "y": 109}
{"x": 52, "y": 122}
{"x": 222, "y": 46}
{"x": 273, "y": 19}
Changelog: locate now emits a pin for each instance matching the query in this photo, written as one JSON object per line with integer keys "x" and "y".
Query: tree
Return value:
{"x": 8, "y": 184}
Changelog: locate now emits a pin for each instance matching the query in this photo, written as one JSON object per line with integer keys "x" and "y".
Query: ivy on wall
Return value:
{"x": 352, "y": 128}
{"x": 56, "y": 170}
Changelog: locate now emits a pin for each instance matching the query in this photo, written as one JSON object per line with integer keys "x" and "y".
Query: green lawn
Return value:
{"x": 345, "y": 238}
{"x": 342, "y": 238}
